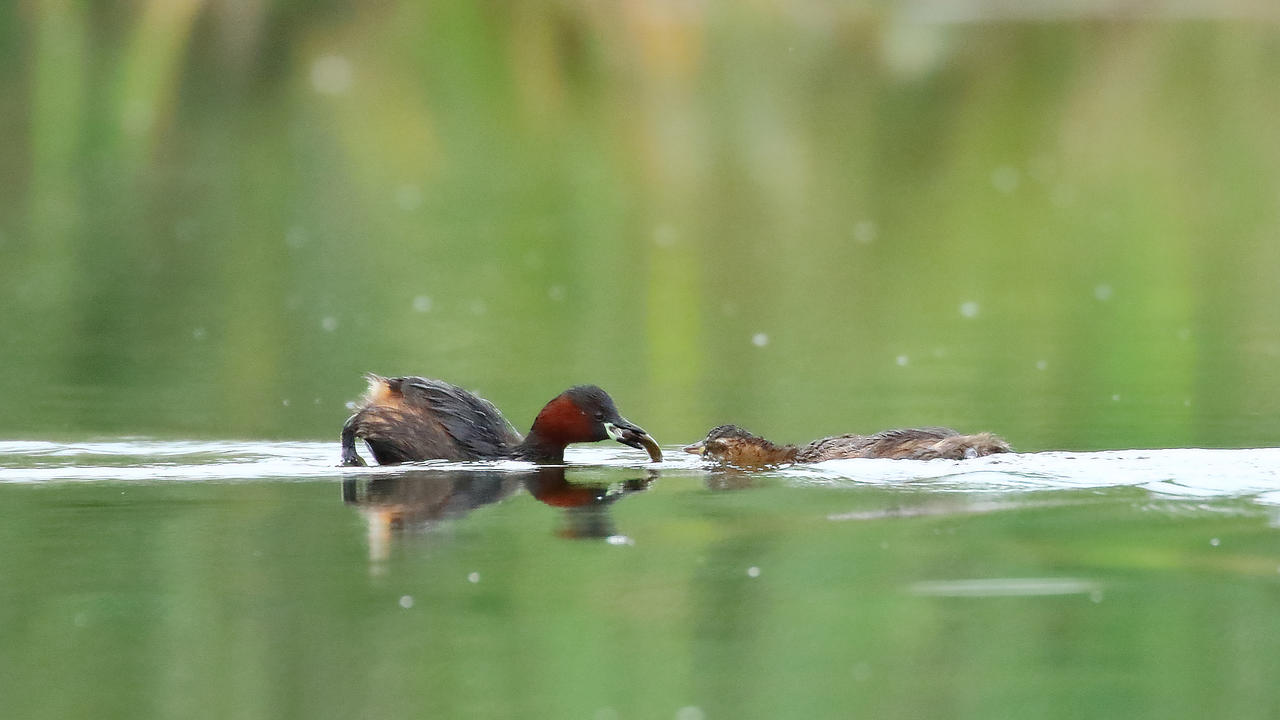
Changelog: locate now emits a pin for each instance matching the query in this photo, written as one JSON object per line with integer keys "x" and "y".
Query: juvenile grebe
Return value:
{"x": 411, "y": 418}
{"x": 731, "y": 445}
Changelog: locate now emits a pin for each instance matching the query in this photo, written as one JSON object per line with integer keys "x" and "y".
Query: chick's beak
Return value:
{"x": 635, "y": 436}
{"x": 697, "y": 448}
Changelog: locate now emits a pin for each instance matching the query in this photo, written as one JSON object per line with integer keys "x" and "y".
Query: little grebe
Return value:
{"x": 731, "y": 445}
{"x": 411, "y": 418}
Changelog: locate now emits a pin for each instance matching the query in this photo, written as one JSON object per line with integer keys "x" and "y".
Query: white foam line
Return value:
{"x": 142, "y": 459}
{"x": 935, "y": 509}
{"x": 1185, "y": 473}
{"x": 1006, "y": 587}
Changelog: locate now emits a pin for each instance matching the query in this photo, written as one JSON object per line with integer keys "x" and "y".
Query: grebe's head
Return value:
{"x": 732, "y": 445}
{"x": 721, "y": 441}
{"x": 585, "y": 413}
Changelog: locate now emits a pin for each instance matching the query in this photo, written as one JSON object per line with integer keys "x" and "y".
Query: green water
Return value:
{"x": 1063, "y": 228}
{"x": 277, "y": 599}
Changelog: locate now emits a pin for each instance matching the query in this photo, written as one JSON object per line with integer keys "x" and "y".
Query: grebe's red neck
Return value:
{"x": 560, "y": 423}
{"x": 550, "y": 485}
{"x": 584, "y": 413}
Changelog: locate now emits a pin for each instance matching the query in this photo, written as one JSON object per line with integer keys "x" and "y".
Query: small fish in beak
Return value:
{"x": 628, "y": 434}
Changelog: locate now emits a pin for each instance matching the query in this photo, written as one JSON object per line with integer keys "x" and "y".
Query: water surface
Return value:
{"x": 1055, "y": 222}
{"x": 255, "y": 579}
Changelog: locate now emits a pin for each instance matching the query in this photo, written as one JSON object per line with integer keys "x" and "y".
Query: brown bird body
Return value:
{"x": 406, "y": 419}
{"x": 731, "y": 445}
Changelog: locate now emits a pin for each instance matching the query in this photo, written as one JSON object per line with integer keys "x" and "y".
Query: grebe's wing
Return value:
{"x": 474, "y": 423}
{"x": 914, "y": 434}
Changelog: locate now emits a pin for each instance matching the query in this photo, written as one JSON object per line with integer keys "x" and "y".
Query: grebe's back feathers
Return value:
{"x": 926, "y": 443}
{"x": 404, "y": 419}
{"x": 475, "y": 424}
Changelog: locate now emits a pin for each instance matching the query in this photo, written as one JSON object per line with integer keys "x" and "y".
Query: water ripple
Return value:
{"x": 1186, "y": 473}
{"x": 1183, "y": 472}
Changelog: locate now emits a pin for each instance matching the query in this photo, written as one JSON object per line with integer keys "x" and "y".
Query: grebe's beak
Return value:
{"x": 633, "y": 435}
{"x": 697, "y": 448}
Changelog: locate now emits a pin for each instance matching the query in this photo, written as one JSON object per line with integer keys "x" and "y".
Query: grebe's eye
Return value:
{"x": 600, "y": 416}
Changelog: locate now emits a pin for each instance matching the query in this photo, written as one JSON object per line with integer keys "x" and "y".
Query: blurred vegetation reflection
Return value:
{"x": 418, "y": 501}
{"x": 260, "y": 600}
{"x": 215, "y": 215}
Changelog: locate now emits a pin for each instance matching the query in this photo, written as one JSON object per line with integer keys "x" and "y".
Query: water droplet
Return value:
{"x": 969, "y": 309}
{"x": 760, "y": 339}
{"x": 1115, "y": 398}
{"x": 406, "y": 601}
{"x": 902, "y": 360}
{"x": 1062, "y": 196}
{"x": 329, "y": 323}
{"x": 183, "y": 230}
{"x": 199, "y": 333}
{"x": 1006, "y": 179}
{"x": 473, "y": 578}
{"x": 1215, "y": 542}
{"x": 912, "y": 50}
{"x": 753, "y": 571}
{"x": 865, "y": 232}
{"x": 690, "y": 712}
{"x": 408, "y": 197}
{"x": 1042, "y": 364}
{"x": 422, "y": 304}
{"x": 137, "y": 116}
{"x": 1042, "y": 167}
{"x": 331, "y": 74}
{"x": 619, "y": 540}
{"x": 295, "y": 237}
{"x": 1102, "y": 292}
{"x": 285, "y": 402}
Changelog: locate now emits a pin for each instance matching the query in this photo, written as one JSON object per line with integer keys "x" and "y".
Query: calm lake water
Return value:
{"x": 205, "y": 579}
{"x": 1061, "y": 225}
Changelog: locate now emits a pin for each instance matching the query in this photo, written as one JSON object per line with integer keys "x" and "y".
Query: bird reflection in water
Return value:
{"x": 586, "y": 505}
{"x": 731, "y": 478}
{"x": 420, "y": 500}
{"x": 417, "y": 501}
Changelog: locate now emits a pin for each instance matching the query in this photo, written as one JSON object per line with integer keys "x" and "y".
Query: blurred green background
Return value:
{"x": 1056, "y": 221}
{"x": 1064, "y": 227}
